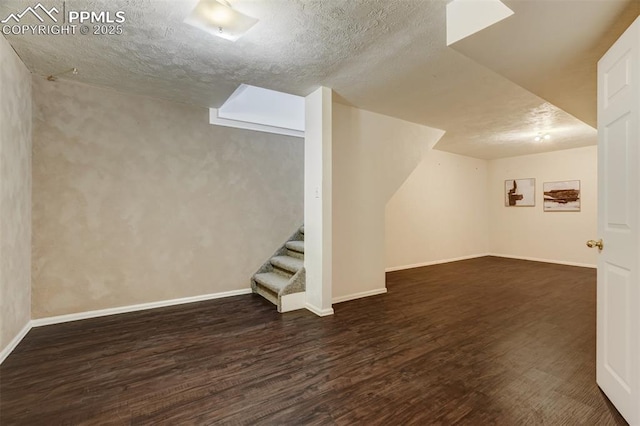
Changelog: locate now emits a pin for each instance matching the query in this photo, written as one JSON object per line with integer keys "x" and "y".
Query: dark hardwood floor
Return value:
{"x": 483, "y": 341}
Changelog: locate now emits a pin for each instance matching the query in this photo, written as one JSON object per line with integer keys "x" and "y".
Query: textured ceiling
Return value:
{"x": 387, "y": 56}
{"x": 545, "y": 55}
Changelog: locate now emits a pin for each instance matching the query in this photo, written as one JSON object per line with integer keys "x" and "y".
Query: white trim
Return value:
{"x": 292, "y": 302}
{"x": 319, "y": 312}
{"x": 133, "y": 308}
{"x": 217, "y": 121}
{"x": 436, "y": 262}
{"x": 14, "y": 342}
{"x": 359, "y": 295}
{"x": 535, "y": 259}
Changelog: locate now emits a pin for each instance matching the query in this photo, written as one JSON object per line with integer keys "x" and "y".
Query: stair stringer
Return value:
{"x": 297, "y": 284}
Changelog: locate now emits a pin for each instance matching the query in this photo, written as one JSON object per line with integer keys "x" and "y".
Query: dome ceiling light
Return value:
{"x": 542, "y": 137}
{"x": 217, "y": 17}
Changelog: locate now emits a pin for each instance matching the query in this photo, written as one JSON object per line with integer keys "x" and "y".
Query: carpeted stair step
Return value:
{"x": 272, "y": 281}
{"x": 287, "y": 263}
{"x": 297, "y": 246}
{"x": 267, "y": 294}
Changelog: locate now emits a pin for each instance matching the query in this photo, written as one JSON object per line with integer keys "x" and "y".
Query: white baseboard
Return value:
{"x": 535, "y": 259}
{"x": 133, "y": 308}
{"x": 319, "y": 312}
{"x": 435, "y": 262}
{"x": 293, "y": 302}
{"x": 359, "y": 295}
{"x": 14, "y": 342}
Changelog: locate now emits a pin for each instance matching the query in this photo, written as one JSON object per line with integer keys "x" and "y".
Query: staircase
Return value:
{"x": 281, "y": 280}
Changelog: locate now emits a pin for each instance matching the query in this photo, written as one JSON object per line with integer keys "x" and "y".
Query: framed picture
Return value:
{"x": 563, "y": 196}
{"x": 520, "y": 192}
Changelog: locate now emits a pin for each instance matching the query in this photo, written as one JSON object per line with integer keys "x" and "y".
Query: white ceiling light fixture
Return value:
{"x": 541, "y": 137}
{"x": 217, "y": 17}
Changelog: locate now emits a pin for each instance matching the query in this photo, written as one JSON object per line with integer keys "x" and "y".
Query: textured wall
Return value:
{"x": 441, "y": 212}
{"x": 372, "y": 156}
{"x": 138, "y": 200}
{"x": 529, "y": 231}
{"x": 15, "y": 194}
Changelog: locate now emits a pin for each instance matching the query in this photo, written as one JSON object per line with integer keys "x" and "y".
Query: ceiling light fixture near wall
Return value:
{"x": 217, "y": 17}
{"x": 54, "y": 77}
{"x": 540, "y": 137}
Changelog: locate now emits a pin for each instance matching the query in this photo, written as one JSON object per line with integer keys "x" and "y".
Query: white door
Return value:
{"x": 618, "y": 305}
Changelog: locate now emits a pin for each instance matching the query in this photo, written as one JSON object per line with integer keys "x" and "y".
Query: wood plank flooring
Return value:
{"x": 483, "y": 341}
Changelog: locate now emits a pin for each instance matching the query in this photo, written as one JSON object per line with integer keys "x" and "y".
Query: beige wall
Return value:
{"x": 440, "y": 213}
{"x": 372, "y": 156}
{"x": 138, "y": 200}
{"x": 425, "y": 222}
{"x": 529, "y": 232}
{"x": 15, "y": 195}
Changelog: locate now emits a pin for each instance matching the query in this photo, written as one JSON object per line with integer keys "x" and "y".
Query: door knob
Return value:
{"x": 594, "y": 243}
